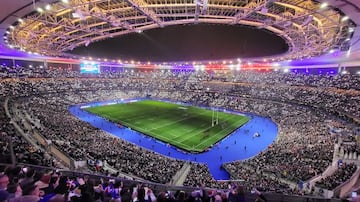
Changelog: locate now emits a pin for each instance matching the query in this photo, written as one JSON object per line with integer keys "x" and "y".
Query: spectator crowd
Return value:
{"x": 300, "y": 104}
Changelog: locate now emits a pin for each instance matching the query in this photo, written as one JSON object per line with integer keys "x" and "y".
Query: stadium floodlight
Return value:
{"x": 345, "y": 18}
{"x": 275, "y": 64}
{"x": 48, "y": 7}
{"x": 20, "y": 20}
{"x": 351, "y": 29}
{"x": 65, "y": 1}
{"x": 324, "y": 5}
{"x": 238, "y": 67}
{"x": 40, "y": 10}
{"x": 87, "y": 42}
{"x": 11, "y": 27}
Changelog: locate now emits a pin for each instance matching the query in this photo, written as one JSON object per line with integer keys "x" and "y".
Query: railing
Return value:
{"x": 346, "y": 187}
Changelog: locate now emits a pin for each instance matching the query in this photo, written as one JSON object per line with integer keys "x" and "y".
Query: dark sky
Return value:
{"x": 187, "y": 43}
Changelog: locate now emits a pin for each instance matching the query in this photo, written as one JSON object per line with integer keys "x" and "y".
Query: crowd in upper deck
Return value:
{"x": 299, "y": 104}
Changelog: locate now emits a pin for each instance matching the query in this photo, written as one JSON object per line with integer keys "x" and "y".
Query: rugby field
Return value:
{"x": 186, "y": 127}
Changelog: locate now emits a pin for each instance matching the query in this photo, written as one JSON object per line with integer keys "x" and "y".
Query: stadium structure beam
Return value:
{"x": 141, "y": 6}
{"x": 252, "y": 7}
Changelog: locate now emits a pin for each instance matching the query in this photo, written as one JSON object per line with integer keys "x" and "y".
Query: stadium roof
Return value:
{"x": 319, "y": 30}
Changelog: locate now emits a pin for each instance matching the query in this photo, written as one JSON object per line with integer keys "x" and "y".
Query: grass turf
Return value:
{"x": 186, "y": 127}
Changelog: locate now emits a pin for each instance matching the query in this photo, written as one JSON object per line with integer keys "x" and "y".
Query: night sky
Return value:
{"x": 187, "y": 43}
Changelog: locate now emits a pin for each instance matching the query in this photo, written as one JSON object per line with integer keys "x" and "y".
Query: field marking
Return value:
{"x": 170, "y": 140}
{"x": 217, "y": 134}
{"x": 143, "y": 115}
{"x": 195, "y": 134}
{"x": 189, "y": 147}
{"x": 158, "y": 136}
{"x": 179, "y": 120}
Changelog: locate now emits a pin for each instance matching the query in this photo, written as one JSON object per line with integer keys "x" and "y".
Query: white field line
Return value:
{"x": 203, "y": 131}
{"x": 214, "y": 135}
{"x": 142, "y": 115}
{"x": 171, "y": 123}
{"x": 164, "y": 137}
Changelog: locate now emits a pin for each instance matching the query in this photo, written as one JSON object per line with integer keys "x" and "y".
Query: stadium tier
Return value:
{"x": 315, "y": 140}
{"x": 179, "y": 101}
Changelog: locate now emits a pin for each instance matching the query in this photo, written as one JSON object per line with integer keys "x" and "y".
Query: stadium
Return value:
{"x": 143, "y": 100}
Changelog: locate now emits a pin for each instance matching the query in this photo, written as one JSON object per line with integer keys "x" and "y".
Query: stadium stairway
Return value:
{"x": 180, "y": 176}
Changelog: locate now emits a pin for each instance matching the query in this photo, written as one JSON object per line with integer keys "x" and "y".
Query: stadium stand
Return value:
{"x": 38, "y": 129}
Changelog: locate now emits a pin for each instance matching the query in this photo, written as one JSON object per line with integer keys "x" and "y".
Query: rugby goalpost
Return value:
{"x": 214, "y": 118}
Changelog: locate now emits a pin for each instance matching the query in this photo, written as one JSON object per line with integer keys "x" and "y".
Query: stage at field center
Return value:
{"x": 240, "y": 145}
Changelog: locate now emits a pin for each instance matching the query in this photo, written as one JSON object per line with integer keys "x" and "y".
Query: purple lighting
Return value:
{"x": 323, "y": 71}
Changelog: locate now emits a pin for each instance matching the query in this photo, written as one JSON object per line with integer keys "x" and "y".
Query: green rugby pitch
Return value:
{"x": 186, "y": 127}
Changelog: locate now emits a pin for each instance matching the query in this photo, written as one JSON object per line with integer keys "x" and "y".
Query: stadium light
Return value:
{"x": 40, "y": 10}
{"x": 238, "y": 67}
{"x": 20, "y": 20}
{"x": 11, "y": 27}
{"x": 345, "y": 18}
{"x": 48, "y": 7}
{"x": 324, "y": 5}
{"x": 65, "y": 1}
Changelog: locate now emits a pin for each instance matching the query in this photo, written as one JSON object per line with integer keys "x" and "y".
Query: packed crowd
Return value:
{"x": 257, "y": 178}
{"x": 350, "y": 145}
{"x": 24, "y": 152}
{"x": 341, "y": 175}
{"x": 81, "y": 141}
{"x": 25, "y": 184}
{"x": 304, "y": 147}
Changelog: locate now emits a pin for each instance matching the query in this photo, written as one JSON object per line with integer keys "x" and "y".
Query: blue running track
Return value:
{"x": 240, "y": 145}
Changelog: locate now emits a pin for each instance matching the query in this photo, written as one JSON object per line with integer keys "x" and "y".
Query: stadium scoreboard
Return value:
{"x": 89, "y": 67}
